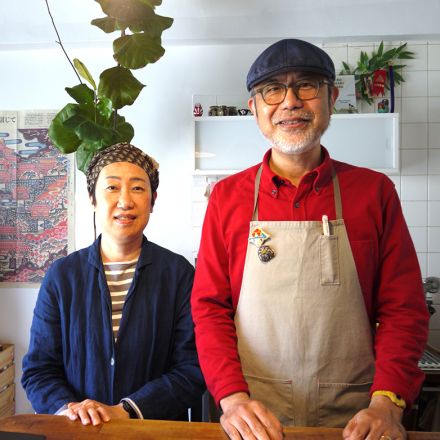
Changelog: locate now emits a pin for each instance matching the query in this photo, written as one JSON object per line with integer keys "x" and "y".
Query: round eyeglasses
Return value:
{"x": 305, "y": 89}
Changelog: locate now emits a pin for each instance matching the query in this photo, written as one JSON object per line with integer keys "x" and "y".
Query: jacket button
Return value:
{"x": 112, "y": 361}
{"x": 296, "y": 204}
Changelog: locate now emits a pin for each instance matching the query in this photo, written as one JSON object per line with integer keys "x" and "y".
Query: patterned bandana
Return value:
{"x": 122, "y": 152}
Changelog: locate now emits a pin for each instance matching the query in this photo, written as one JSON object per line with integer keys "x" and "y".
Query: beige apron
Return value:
{"x": 304, "y": 338}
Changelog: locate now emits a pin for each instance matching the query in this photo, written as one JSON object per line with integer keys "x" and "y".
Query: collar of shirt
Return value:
{"x": 316, "y": 178}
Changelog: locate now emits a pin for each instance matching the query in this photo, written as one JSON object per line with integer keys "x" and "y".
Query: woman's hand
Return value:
{"x": 92, "y": 412}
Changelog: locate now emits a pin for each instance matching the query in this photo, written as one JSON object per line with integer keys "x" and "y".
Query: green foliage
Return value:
{"x": 379, "y": 60}
{"x": 92, "y": 123}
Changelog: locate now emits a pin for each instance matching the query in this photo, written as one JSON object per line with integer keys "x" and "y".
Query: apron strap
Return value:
{"x": 336, "y": 194}
{"x": 257, "y": 187}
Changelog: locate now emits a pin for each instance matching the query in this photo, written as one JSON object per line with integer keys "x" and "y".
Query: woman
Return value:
{"x": 112, "y": 334}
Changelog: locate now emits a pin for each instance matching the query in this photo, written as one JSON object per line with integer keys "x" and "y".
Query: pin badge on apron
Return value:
{"x": 258, "y": 237}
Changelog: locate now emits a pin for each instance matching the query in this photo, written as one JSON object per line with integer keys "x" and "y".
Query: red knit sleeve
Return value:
{"x": 213, "y": 311}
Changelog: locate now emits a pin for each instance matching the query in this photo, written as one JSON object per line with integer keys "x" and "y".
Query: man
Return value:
{"x": 112, "y": 335}
{"x": 314, "y": 313}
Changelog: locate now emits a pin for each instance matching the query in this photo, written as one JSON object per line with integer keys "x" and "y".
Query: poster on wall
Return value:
{"x": 36, "y": 193}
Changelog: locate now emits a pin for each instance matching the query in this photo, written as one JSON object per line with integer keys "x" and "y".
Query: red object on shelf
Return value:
{"x": 198, "y": 110}
{"x": 379, "y": 78}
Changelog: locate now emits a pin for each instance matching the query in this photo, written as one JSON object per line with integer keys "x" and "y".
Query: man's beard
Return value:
{"x": 309, "y": 139}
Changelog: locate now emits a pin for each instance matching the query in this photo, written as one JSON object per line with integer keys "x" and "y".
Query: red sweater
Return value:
{"x": 383, "y": 251}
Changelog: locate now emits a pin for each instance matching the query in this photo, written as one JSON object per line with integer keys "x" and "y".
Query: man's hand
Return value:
{"x": 381, "y": 420}
{"x": 247, "y": 419}
{"x": 90, "y": 411}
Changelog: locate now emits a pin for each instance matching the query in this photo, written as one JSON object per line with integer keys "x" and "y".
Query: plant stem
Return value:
{"x": 59, "y": 41}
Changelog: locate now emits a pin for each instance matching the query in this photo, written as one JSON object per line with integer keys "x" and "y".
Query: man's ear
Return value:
{"x": 153, "y": 200}
{"x": 251, "y": 104}
{"x": 334, "y": 96}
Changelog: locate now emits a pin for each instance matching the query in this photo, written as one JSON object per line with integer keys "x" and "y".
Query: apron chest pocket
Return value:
{"x": 329, "y": 260}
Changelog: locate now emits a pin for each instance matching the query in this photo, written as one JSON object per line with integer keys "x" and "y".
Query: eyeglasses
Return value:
{"x": 305, "y": 89}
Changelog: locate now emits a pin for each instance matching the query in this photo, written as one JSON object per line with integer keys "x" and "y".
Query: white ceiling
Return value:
{"x": 25, "y": 22}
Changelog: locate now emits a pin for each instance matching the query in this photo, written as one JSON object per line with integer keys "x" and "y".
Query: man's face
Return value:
{"x": 294, "y": 126}
{"x": 123, "y": 202}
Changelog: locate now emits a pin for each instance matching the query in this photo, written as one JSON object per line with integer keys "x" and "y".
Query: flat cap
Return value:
{"x": 286, "y": 55}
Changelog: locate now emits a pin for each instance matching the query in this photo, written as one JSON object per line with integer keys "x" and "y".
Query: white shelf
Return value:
{"x": 227, "y": 144}
{"x": 223, "y": 119}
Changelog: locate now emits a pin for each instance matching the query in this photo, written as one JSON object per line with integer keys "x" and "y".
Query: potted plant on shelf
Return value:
{"x": 92, "y": 122}
{"x": 380, "y": 71}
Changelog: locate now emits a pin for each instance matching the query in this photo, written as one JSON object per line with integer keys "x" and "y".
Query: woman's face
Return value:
{"x": 123, "y": 202}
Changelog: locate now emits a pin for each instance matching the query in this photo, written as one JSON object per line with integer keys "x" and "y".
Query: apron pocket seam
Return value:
{"x": 329, "y": 260}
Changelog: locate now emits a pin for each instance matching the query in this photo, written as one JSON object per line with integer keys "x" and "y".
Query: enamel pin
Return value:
{"x": 258, "y": 237}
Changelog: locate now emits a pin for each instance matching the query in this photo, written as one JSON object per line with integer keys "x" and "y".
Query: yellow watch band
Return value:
{"x": 395, "y": 398}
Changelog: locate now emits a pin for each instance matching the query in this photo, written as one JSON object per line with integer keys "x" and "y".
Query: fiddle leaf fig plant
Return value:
{"x": 92, "y": 122}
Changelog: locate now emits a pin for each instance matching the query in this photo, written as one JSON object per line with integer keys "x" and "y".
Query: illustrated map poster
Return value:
{"x": 34, "y": 197}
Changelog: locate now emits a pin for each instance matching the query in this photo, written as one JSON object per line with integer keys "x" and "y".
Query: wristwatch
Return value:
{"x": 129, "y": 409}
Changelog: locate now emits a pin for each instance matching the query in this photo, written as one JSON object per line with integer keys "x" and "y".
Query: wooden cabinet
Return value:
{"x": 7, "y": 387}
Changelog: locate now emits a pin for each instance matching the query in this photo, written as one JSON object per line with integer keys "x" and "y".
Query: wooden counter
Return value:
{"x": 60, "y": 428}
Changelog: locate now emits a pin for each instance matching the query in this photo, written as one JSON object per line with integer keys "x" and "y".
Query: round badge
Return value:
{"x": 265, "y": 253}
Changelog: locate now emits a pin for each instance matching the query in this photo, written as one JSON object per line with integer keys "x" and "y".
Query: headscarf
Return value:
{"x": 122, "y": 152}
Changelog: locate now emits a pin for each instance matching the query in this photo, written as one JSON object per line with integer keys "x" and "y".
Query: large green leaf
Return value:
{"x": 125, "y": 131}
{"x": 137, "y": 50}
{"x": 81, "y": 93}
{"x": 109, "y": 24}
{"x": 87, "y": 129}
{"x": 84, "y": 72}
{"x": 126, "y": 10}
{"x": 152, "y": 3}
{"x": 86, "y": 151}
{"x": 152, "y": 26}
{"x": 105, "y": 108}
{"x": 64, "y": 138}
{"x": 120, "y": 86}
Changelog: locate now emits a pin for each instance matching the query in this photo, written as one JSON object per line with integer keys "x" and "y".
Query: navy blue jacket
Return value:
{"x": 72, "y": 354}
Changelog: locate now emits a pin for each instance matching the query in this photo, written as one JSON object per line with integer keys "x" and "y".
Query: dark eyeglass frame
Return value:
{"x": 295, "y": 88}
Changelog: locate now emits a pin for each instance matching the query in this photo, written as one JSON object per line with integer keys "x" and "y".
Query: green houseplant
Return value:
{"x": 380, "y": 59}
{"x": 92, "y": 122}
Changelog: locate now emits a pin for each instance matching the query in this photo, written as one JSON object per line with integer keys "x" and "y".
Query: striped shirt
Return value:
{"x": 119, "y": 277}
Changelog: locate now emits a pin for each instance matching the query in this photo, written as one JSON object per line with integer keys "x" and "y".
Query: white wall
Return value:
{"x": 162, "y": 116}
{"x": 204, "y": 21}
